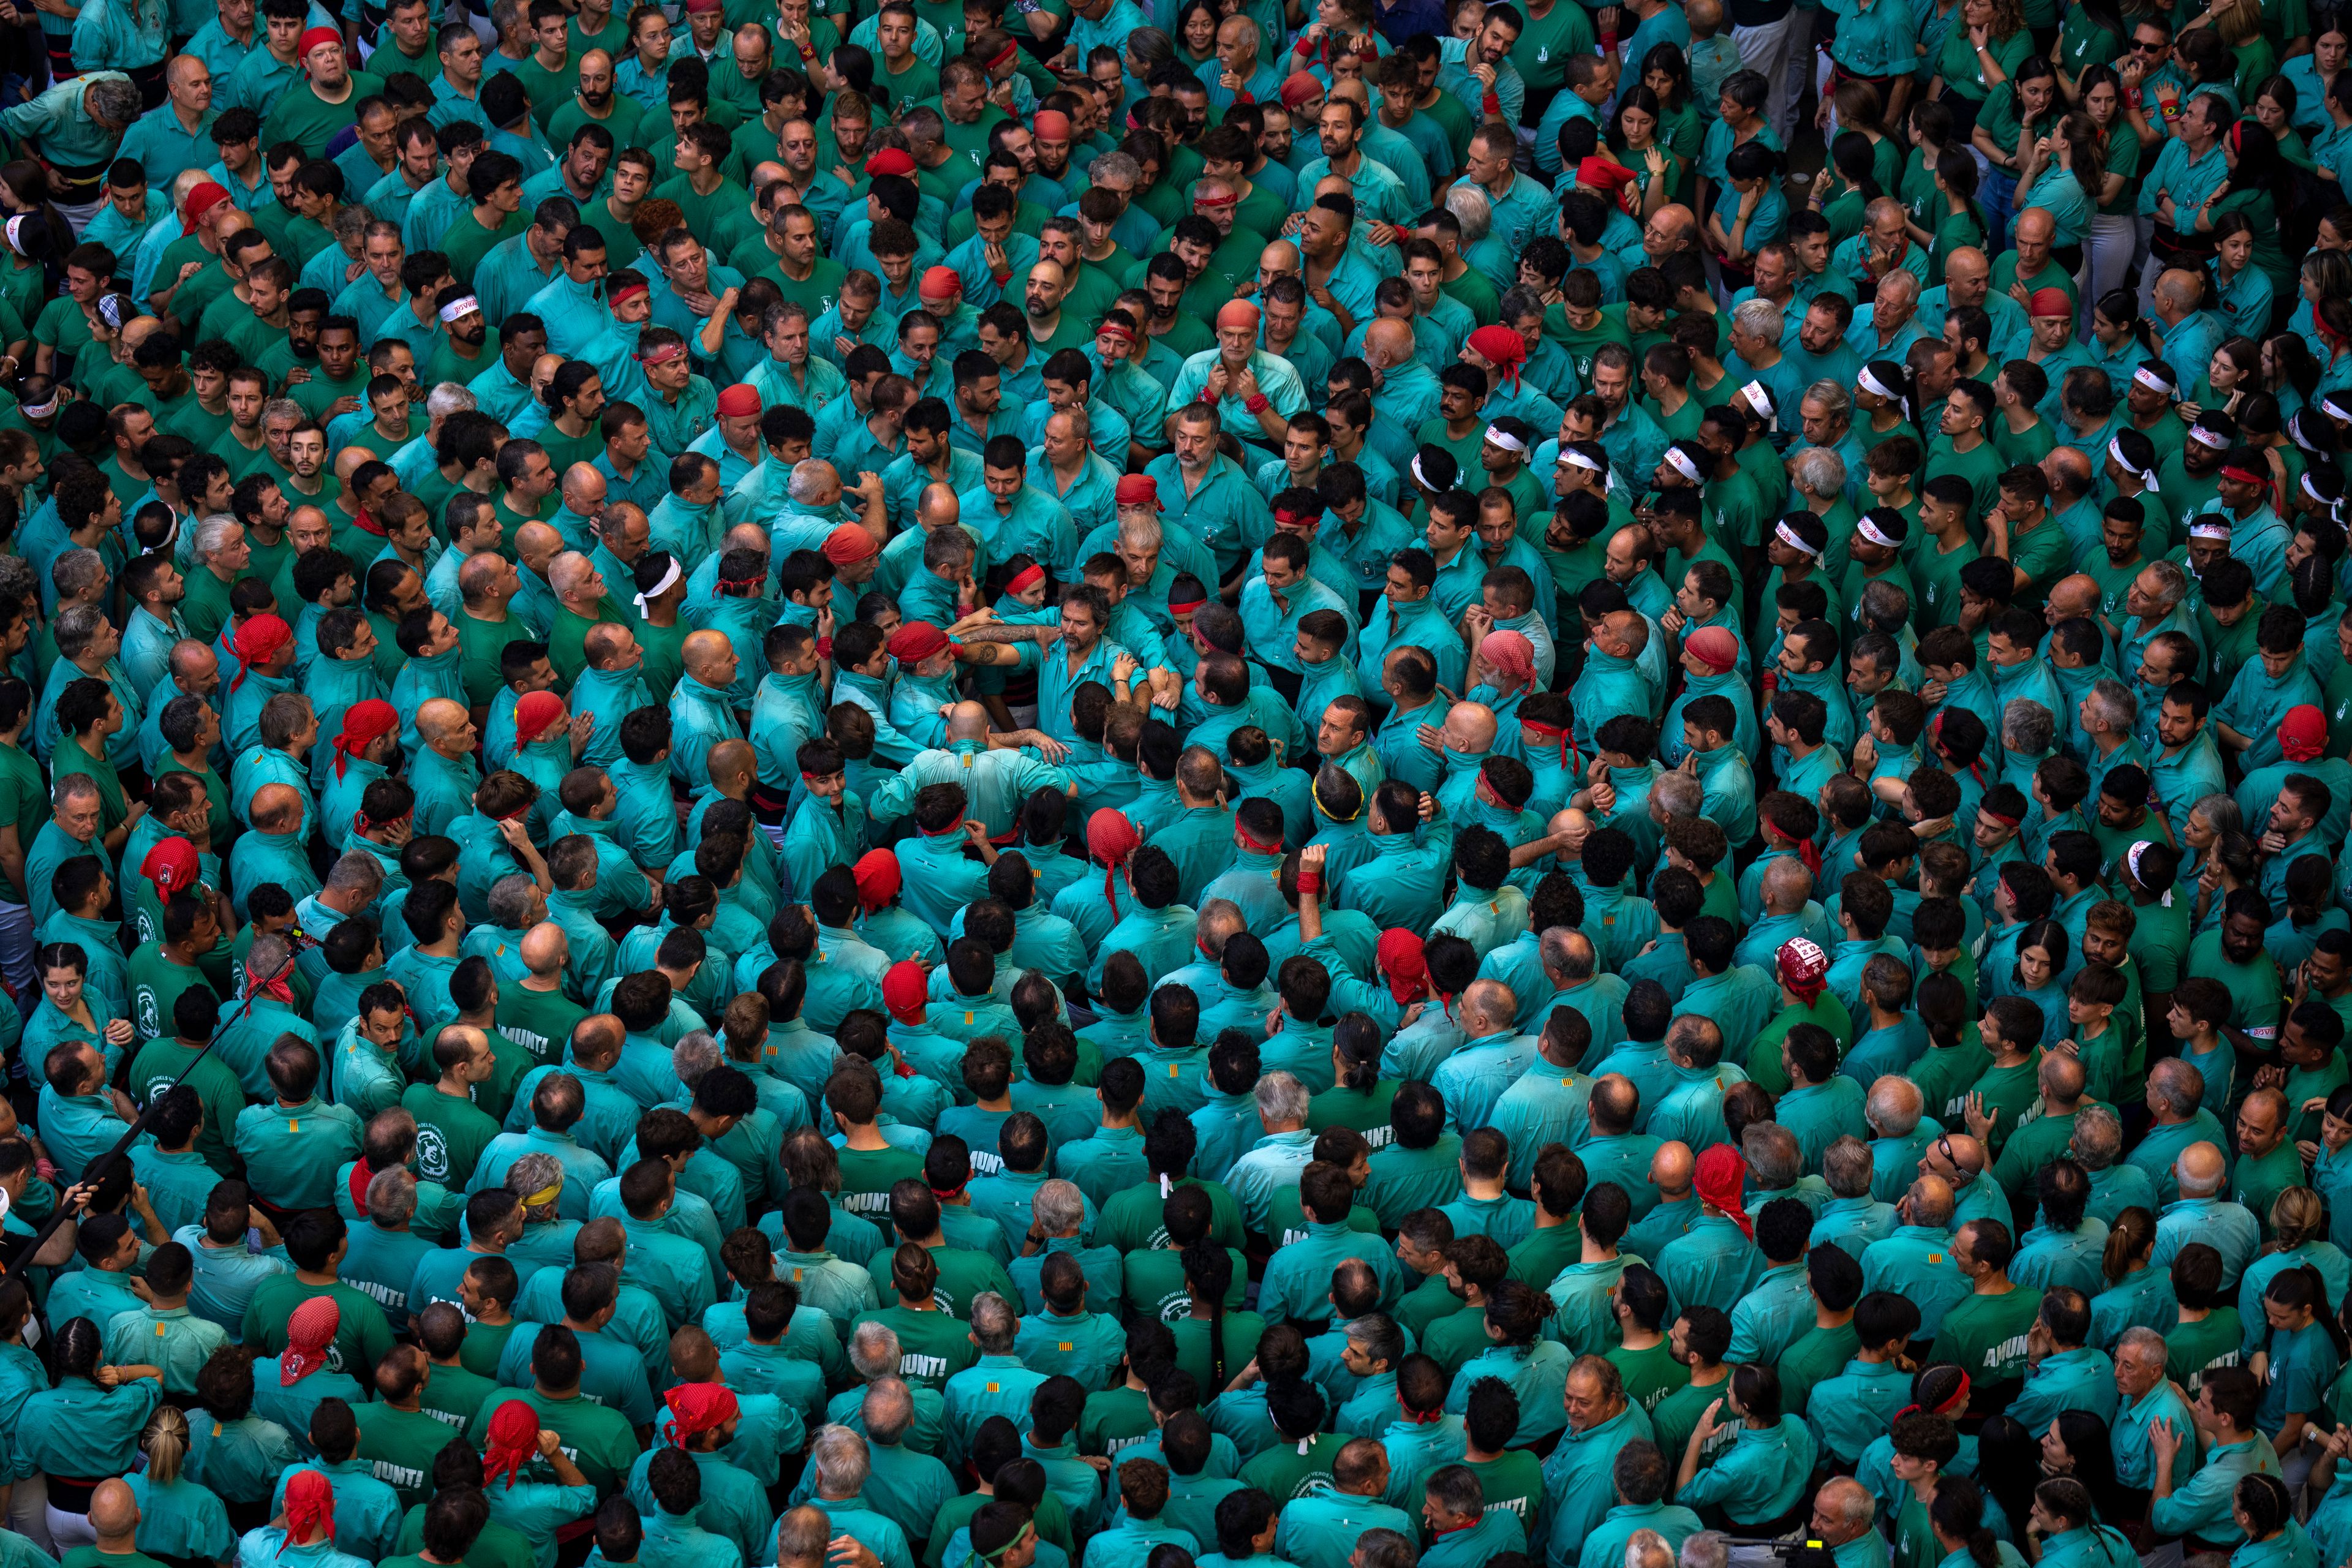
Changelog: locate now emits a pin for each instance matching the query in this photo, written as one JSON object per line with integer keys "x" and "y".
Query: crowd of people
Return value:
{"x": 1309, "y": 782}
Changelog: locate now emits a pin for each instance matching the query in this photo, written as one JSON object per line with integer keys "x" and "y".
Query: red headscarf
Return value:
{"x": 364, "y": 723}
{"x": 1804, "y": 968}
{"x": 1503, "y": 348}
{"x": 201, "y": 201}
{"x": 256, "y": 642}
{"x": 877, "y": 877}
{"x": 1401, "y": 957}
{"x": 1721, "y": 1177}
{"x": 1610, "y": 179}
{"x": 695, "y": 1407}
{"x": 310, "y": 1506}
{"x": 1112, "y": 838}
{"x": 534, "y": 714}
{"x": 308, "y": 1333}
{"x": 513, "y": 1442}
{"x": 1511, "y": 653}
{"x": 172, "y": 866}
{"x": 2302, "y": 733}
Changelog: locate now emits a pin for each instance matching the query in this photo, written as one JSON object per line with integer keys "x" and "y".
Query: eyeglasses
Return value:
{"x": 2142, "y": 46}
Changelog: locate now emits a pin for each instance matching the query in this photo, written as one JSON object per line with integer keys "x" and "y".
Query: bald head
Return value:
{"x": 1929, "y": 1202}
{"x": 113, "y": 1511}
{"x": 538, "y": 545}
{"x": 2202, "y": 1170}
{"x": 968, "y": 721}
{"x": 441, "y": 719}
{"x": 2177, "y": 292}
{"x": 583, "y": 488}
{"x": 276, "y": 808}
{"x": 1671, "y": 1168}
{"x": 1388, "y": 341}
{"x": 2036, "y": 227}
{"x": 937, "y": 507}
{"x": 544, "y": 950}
{"x": 2068, "y": 471}
{"x": 1470, "y": 728}
{"x": 2077, "y": 595}
{"x": 706, "y": 653}
{"x": 732, "y": 760}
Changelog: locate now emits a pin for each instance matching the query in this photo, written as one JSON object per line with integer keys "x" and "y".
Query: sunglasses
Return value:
{"x": 2141, "y": 46}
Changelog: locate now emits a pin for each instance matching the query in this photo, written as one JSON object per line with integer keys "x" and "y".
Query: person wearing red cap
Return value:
{"x": 1711, "y": 659}
{"x": 324, "y": 99}
{"x": 2302, "y": 746}
{"x": 1252, "y": 390}
{"x": 290, "y": 1392}
{"x": 935, "y": 1056}
{"x": 368, "y": 745}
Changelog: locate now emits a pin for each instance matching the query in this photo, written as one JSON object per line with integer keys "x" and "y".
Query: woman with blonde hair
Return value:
{"x": 179, "y": 1521}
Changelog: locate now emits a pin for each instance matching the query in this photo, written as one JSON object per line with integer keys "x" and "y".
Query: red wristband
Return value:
{"x": 1310, "y": 882}
{"x": 1256, "y": 402}
{"x": 825, "y": 648}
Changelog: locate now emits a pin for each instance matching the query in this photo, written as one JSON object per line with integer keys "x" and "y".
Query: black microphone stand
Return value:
{"x": 60, "y": 1215}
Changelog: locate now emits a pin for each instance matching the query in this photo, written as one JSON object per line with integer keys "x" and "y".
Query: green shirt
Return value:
{"x": 932, "y": 1346}
{"x": 361, "y": 1338}
{"x": 1985, "y": 1335}
{"x": 402, "y": 1446}
{"x": 451, "y": 1133}
{"x": 292, "y": 1153}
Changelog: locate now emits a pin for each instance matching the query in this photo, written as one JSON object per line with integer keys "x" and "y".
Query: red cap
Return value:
{"x": 1137, "y": 489}
{"x": 363, "y": 722}
{"x": 891, "y": 161}
{"x": 877, "y": 878}
{"x": 848, "y": 542}
{"x": 2302, "y": 733}
{"x": 2049, "y": 303}
{"x": 697, "y": 1407}
{"x": 1714, "y": 646}
{"x": 173, "y": 866}
{"x": 315, "y": 38}
{"x": 916, "y": 641}
{"x": 308, "y": 1333}
{"x": 534, "y": 713}
{"x": 942, "y": 283}
{"x": 740, "y": 402}
{"x": 1052, "y": 125}
{"x": 905, "y": 989}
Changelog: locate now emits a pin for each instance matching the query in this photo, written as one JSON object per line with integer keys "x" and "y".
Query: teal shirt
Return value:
{"x": 2200, "y": 1506}
{"x": 293, "y": 1151}
{"x": 80, "y": 1429}
{"x": 1847, "y": 1411}
{"x": 1759, "y": 1477}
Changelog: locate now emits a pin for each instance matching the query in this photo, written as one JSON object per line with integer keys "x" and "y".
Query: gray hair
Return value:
{"x": 1114, "y": 167}
{"x": 115, "y": 101}
{"x": 2146, "y": 1340}
{"x": 77, "y": 627}
{"x": 1280, "y": 1098}
{"x": 2171, "y": 583}
{"x": 1141, "y": 529}
{"x": 842, "y": 1456}
{"x": 1379, "y": 1548}
{"x": 74, "y": 786}
{"x": 809, "y": 478}
{"x": 1648, "y": 1548}
{"x": 1771, "y": 1152}
{"x": 1816, "y": 470}
{"x": 2220, "y": 811}
{"x": 448, "y": 398}
{"x": 1060, "y": 1208}
{"x": 802, "y": 1534}
{"x": 76, "y": 573}
{"x": 1471, "y": 208}
{"x": 2200, "y": 1187}
{"x": 874, "y": 1350}
{"x": 2112, "y": 701}
{"x": 2027, "y": 727}
{"x": 214, "y": 534}
{"x": 268, "y": 959}
{"x": 1759, "y": 318}
{"x": 1567, "y": 953}
{"x": 994, "y": 1323}
{"x": 1678, "y": 794}
{"x": 509, "y": 899}
{"x": 1884, "y": 602}
{"x": 695, "y": 1053}
{"x": 1846, "y": 1167}
{"x": 2097, "y": 1138}
{"x": 1894, "y": 1107}
{"x": 888, "y": 1409}
{"x": 535, "y": 1173}
{"x": 392, "y": 1196}
{"x": 1708, "y": 1549}
{"x": 1831, "y": 396}
{"x": 356, "y": 871}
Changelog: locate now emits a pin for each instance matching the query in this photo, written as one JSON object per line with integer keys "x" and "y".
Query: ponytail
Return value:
{"x": 1209, "y": 1271}
{"x": 1357, "y": 1041}
{"x": 2129, "y": 1239}
{"x": 165, "y": 1444}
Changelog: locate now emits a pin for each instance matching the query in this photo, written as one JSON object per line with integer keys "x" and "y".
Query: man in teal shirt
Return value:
{"x": 1578, "y": 1473}
{"x": 292, "y": 1148}
{"x": 2199, "y": 1506}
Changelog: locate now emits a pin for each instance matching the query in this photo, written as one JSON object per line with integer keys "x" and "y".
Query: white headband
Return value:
{"x": 2306, "y": 483}
{"x": 1872, "y": 385}
{"x": 1505, "y": 439}
{"x": 1684, "y": 466}
{"x": 14, "y": 229}
{"x": 2148, "y": 478}
{"x": 1427, "y": 483}
{"x": 2208, "y": 439}
{"x": 2202, "y": 530}
{"x": 1576, "y": 459}
{"x": 1762, "y": 402}
{"x": 2294, "y": 429}
{"x": 2131, "y": 859}
{"x": 40, "y": 410}
{"x": 2334, "y": 402}
{"x": 1789, "y": 537}
{"x": 1871, "y": 532}
{"x": 464, "y": 305}
{"x": 669, "y": 581}
{"x": 2149, "y": 379}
